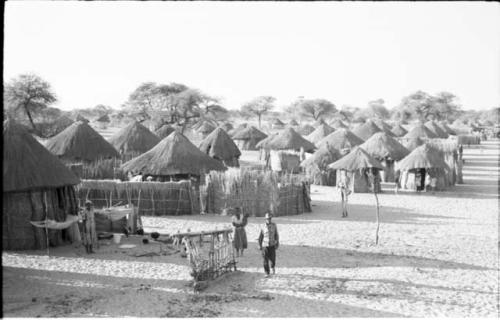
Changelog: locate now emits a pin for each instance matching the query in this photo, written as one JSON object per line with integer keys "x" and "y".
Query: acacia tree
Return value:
{"x": 314, "y": 108}
{"x": 29, "y": 93}
{"x": 258, "y": 107}
{"x": 377, "y": 109}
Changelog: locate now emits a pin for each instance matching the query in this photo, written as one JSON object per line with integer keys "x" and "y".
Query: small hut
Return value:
{"x": 205, "y": 129}
{"x": 420, "y": 131}
{"x": 342, "y": 140}
{"x": 247, "y": 138}
{"x": 338, "y": 124}
{"x": 366, "y": 130}
{"x": 220, "y": 146}
{"x": 164, "y": 131}
{"x": 322, "y": 131}
{"x": 358, "y": 164}
{"x": 277, "y": 124}
{"x": 399, "y": 131}
{"x": 174, "y": 158}
{"x": 387, "y": 150}
{"x": 293, "y": 123}
{"x": 434, "y": 128}
{"x": 133, "y": 140}
{"x": 316, "y": 166}
{"x": 289, "y": 139}
{"x": 306, "y": 129}
{"x": 422, "y": 161}
{"x": 36, "y": 187}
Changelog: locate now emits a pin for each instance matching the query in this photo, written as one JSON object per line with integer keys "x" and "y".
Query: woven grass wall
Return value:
{"x": 101, "y": 169}
{"x": 255, "y": 192}
{"x": 468, "y": 140}
{"x": 151, "y": 198}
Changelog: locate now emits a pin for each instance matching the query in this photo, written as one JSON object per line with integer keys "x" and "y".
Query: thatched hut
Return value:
{"x": 133, "y": 140}
{"x": 293, "y": 123}
{"x": 36, "y": 187}
{"x": 434, "y": 128}
{"x": 205, "y": 129}
{"x": 399, "y": 130}
{"x": 420, "y": 131}
{"x": 220, "y": 146}
{"x": 413, "y": 143}
{"x": 164, "y": 131}
{"x": 174, "y": 158}
{"x": 338, "y": 124}
{"x": 81, "y": 118}
{"x": 387, "y": 150}
{"x": 322, "y": 131}
{"x": 316, "y": 166}
{"x": 247, "y": 138}
{"x": 277, "y": 124}
{"x": 289, "y": 139}
{"x": 358, "y": 164}
{"x": 366, "y": 130}
{"x": 103, "y": 121}
{"x": 306, "y": 129}
{"x": 52, "y": 128}
{"x": 342, "y": 140}
{"x": 422, "y": 161}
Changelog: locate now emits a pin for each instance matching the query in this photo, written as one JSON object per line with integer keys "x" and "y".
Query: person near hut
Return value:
{"x": 343, "y": 187}
{"x": 397, "y": 178}
{"x": 460, "y": 152}
{"x": 239, "y": 222}
{"x": 268, "y": 244}
{"x": 89, "y": 231}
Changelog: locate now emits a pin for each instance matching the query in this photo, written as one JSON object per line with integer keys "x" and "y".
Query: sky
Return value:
{"x": 347, "y": 52}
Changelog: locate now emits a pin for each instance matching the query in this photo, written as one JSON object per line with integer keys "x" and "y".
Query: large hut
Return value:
{"x": 289, "y": 139}
{"x": 434, "y": 128}
{"x": 358, "y": 164}
{"x": 366, "y": 130}
{"x": 338, "y": 124}
{"x": 387, "y": 150}
{"x": 174, "y": 158}
{"x": 424, "y": 160}
{"x": 342, "y": 140}
{"x": 247, "y": 138}
{"x": 220, "y": 146}
{"x": 36, "y": 187}
{"x": 316, "y": 166}
{"x": 306, "y": 129}
{"x": 164, "y": 131}
{"x": 133, "y": 140}
{"x": 420, "y": 131}
{"x": 321, "y": 131}
{"x": 399, "y": 130}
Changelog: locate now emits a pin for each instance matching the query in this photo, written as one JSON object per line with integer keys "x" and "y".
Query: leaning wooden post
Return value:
{"x": 46, "y": 221}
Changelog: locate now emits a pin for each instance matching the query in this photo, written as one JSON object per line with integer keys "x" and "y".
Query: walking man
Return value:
{"x": 269, "y": 243}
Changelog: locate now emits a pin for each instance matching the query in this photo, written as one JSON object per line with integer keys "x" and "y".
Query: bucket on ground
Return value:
{"x": 117, "y": 237}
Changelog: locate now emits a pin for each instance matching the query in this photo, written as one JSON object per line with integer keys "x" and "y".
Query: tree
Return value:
{"x": 377, "y": 109}
{"x": 314, "y": 108}
{"x": 347, "y": 112}
{"x": 419, "y": 104}
{"x": 446, "y": 105}
{"x": 29, "y": 93}
{"x": 258, "y": 107}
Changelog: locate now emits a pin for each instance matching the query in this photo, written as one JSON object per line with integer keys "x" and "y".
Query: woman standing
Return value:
{"x": 239, "y": 222}
{"x": 89, "y": 232}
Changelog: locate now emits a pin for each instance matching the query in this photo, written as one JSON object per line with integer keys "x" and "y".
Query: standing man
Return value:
{"x": 269, "y": 243}
{"x": 460, "y": 152}
{"x": 89, "y": 232}
{"x": 343, "y": 186}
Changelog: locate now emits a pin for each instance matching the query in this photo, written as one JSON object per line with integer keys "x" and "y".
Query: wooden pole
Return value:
{"x": 46, "y": 221}
{"x": 378, "y": 216}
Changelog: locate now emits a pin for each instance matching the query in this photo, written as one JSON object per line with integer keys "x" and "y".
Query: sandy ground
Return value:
{"x": 437, "y": 256}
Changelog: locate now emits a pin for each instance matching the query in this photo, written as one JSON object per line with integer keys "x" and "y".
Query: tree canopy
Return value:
{"x": 258, "y": 107}
{"x": 314, "y": 108}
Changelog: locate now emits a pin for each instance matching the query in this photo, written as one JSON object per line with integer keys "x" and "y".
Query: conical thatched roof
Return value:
{"x": 293, "y": 123}
{"x": 206, "y": 128}
{"x": 79, "y": 117}
{"x": 338, "y": 124}
{"x": 322, "y": 157}
{"x": 27, "y": 165}
{"x": 277, "y": 122}
{"x": 264, "y": 143}
{"x": 366, "y": 130}
{"x": 420, "y": 131}
{"x": 306, "y": 129}
{"x": 220, "y": 146}
{"x": 341, "y": 139}
{"x": 173, "y": 155}
{"x": 249, "y": 133}
{"x": 382, "y": 146}
{"x": 444, "y": 126}
{"x": 322, "y": 131}
{"x": 433, "y": 126}
{"x": 355, "y": 160}
{"x": 413, "y": 143}
{"x": 422, "y": 157}
{"x": 104, "y": 118}
{"x": 164, "y": 131}
{"x": 134, "y": 138}
{"x": 399, "y": 131}
{"x": 80, "y": 142}
{"x": 289, "y": 139}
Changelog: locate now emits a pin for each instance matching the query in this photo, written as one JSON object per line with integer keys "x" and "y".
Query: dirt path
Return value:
{"x": 437, "y": 256}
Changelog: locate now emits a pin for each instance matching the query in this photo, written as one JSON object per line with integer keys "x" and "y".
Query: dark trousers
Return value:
{"x": 269, "y": 254}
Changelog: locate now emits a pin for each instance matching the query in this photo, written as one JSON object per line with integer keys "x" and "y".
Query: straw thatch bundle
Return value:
{"x": 289, "y": 139}
{"x": 399, "y": 130}
{"x": 247, "y": 138}
{"x": 382, "y": 146}
{"x": 316, "y": 166}
{"x": 103, "y": 118}
{"x": 164, "y": 131}
{"x": 80, "y": 142}
{"x": 434, "y": 128}
{"x": 134, "y": 139}
{"x": 174, "y": 155}
{"x": 322, "y": 131}
{"x": 151, "y": 198}
{"x": 36, "y": 186}
{"x": 338, "y": 124}
{"x": 420, "y": 131}
{"x": 340, "y": 140}
{"x": 220, "y": 146}
{"x": 306, "y": 129}
{"x": 255, "y": 192}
